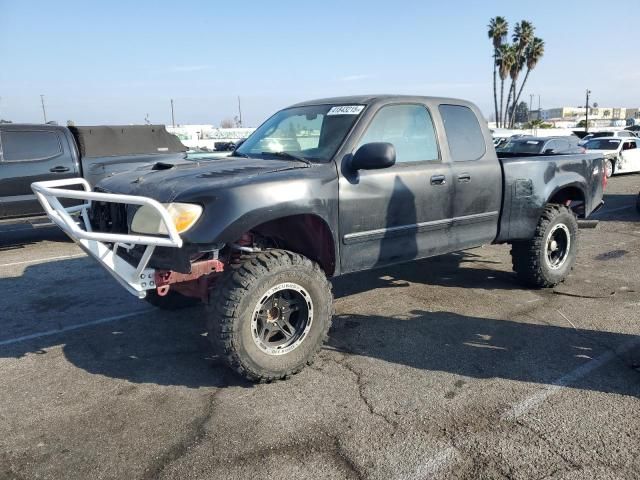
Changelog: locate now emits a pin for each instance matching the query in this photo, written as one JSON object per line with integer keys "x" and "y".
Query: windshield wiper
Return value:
{"x": 288, "y": 155}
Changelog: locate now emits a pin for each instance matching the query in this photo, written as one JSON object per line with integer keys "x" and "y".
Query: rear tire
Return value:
{"x": 171, "y": 301}
{"x": 609, "y": 167}
{"x": 547, "y": 259}
{"x": 270, "y": 315}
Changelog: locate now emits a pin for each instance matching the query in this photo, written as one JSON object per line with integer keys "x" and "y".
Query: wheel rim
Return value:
{"x": 557, "y": 246}
{"x": 282, "y": 318}
{"x": 609, "y": 167}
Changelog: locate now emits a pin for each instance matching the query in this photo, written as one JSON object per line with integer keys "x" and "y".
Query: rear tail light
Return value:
{"x": 583, "y": 150}
{"x": 605, "y": 180}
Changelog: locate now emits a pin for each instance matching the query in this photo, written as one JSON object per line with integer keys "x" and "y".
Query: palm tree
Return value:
{"x": 506, "y": 59}
{"x": 498, "y": 30}
{"x": 533, "y": 54}
{"x": 522, "y": 38}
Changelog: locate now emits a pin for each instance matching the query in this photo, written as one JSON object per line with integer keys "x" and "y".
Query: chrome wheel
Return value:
{"x": 608, "y": 166}
{"x": 282, "y": 318}
{"x": 557, "y": 246}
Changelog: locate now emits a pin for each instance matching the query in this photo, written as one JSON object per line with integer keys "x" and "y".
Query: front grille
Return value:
{"x": 108, "y": 217}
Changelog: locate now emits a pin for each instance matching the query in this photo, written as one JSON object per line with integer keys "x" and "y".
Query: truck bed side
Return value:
{"x": 532, "y": 182}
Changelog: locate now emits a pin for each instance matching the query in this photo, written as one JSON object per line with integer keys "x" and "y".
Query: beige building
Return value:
{"x": 595, "y": 113}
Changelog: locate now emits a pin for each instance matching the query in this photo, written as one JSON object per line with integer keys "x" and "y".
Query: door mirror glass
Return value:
{"x": 373, "y": 156}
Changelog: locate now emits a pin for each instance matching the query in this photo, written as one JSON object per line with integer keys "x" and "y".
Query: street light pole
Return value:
{"x": 586, "y": 112}
{"x": 173, "y": 118}
{"x": 44, "y": 112}
{"x": 239, "y": 112}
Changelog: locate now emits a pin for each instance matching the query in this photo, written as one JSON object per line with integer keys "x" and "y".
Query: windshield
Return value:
{"x": 313, "y": 132}
{"x": 602, "y": 144}
{"x": 523, "y": 146}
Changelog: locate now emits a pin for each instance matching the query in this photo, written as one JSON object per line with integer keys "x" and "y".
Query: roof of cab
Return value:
{"x": 382, "y": 98}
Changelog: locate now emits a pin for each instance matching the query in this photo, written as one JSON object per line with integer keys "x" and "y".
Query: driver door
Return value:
{"x": 402, "y": 212}
{"x": 630, "y": 156}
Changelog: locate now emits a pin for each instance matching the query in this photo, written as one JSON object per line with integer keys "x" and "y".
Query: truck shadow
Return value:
{"x": 618, "y": 208}
{"x": 486, "y": 348}
{"x": 13, "y": 237}
{"x": 172, "y": 349}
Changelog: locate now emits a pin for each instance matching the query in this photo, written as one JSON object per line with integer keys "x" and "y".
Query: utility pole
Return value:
{"x": 239, "y": 113}
{"x": 586, "y": 112}
{"x": 44, "y": 112}
{"x": 539, "y": 112}
{"x": 173, "y": 118}
{"x": 530, "y": 107}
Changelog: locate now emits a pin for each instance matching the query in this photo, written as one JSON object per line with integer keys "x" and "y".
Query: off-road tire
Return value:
{"x": 608, "y": 169}
{"x": 529, "y": 258}
{"x": 171, "y": 301}
{"x": 232, "y": 303}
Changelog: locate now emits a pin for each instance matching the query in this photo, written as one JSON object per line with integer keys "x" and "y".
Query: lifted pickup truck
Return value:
{"x": 325, "y": 188}
{"x": 30, "y": 153}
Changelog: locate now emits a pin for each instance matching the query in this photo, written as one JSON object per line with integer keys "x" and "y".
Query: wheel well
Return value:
{"x": 307, "y": 234}
{"x": 573, "y": 197}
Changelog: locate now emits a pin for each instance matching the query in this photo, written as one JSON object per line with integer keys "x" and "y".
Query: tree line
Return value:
{"x": 509, "y": 61}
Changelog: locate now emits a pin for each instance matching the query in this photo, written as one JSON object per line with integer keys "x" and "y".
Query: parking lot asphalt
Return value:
{"x": 443, "y": 368}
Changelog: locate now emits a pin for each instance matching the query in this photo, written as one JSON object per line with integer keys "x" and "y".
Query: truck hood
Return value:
{"x": 165, "y": 181}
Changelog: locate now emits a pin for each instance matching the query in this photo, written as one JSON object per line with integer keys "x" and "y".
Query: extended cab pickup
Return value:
{"x": 30, "y": 153}
{"x": 321, "y": 189}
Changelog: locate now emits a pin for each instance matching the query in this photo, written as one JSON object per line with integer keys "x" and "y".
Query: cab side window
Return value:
{"x": 408, "y": 128}
{"x": 464, "y": 135}
{"x": 26, "y": 145}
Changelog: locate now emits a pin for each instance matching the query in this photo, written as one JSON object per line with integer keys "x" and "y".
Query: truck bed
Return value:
{"x": 529, "y": 181}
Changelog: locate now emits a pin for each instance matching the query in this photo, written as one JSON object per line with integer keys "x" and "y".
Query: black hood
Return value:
{"x": 164, "y": 181}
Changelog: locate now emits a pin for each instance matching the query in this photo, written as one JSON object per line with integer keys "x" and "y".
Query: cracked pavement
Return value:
{"x": 444, "y": 368}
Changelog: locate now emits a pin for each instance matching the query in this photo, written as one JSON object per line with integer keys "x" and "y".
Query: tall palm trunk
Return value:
{"x": 526, "y": 75}
{"x": 501, "y": 102}
{"x": 495, "y": 90}
{"x": 511, "y": 103}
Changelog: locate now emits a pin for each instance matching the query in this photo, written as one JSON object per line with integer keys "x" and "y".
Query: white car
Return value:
{"x": 622, "y": 155}
{"x": 616, "y": 134}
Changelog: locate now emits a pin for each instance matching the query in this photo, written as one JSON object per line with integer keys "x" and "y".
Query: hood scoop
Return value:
{"x": 230, "y": 172}
{"x": 162, "y": 166}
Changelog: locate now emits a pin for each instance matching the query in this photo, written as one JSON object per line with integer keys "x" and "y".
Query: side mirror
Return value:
{"x": 373, "y": 156}
{"x": 549, "y": 151}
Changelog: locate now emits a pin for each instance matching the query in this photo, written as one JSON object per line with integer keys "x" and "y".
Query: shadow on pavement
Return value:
{"x": 14, "y": 237}
{"x": 171, "y": 348}
{"x": 486, "y": 348}
{"x": 619, "y": 208}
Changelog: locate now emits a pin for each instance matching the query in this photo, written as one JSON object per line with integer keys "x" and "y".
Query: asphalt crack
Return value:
{"x": 195, "y": 434}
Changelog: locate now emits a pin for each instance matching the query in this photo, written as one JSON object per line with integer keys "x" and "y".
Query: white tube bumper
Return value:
{"x": 135, "y": 279}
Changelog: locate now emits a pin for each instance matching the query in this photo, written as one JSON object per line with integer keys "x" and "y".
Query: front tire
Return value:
{"x": 547, "y": 259}
{"x": 271, "y": 315}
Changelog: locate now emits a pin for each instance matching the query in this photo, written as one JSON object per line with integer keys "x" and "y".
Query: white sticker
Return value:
{"x": 346, "y": 110}
{"x": 532, "y": 142}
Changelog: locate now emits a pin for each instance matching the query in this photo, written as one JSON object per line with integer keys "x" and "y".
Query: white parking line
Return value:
{"x": 41, "y": 260}
{"x": 582, "y": 371}
{"x": 72, "y": 327}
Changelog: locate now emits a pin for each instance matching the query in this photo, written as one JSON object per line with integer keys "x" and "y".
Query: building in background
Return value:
{"x": 569, "y": 117}
{"x": 201, "y": 137}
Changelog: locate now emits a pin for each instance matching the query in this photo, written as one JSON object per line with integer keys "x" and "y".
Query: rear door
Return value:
{"x": 402, "y": 212}
{"x": 29, "y": 155}
{"x": 477, "y": 178}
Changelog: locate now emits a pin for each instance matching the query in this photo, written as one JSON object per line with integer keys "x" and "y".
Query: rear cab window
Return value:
{"x": 464, "y": 135}
{"x": 29, "y": 145}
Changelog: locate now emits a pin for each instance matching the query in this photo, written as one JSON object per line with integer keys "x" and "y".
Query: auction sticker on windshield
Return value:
{"x": 346, "y": 110}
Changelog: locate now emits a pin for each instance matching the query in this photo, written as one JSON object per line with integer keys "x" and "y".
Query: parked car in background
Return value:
{"x": 540, "y": 146}
{"x": 383, "y": 180}
{"x": 617, "y": 134}
{"x": 30, "y": 153}
{"x": 227, "y": 145}
{"x": 622, "y": 155}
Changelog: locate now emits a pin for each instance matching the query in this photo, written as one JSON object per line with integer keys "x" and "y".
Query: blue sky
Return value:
{"x": 116, "y": 61}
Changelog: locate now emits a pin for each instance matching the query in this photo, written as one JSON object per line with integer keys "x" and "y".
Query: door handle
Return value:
{"x": 438, "y": 180}
{"x": 59, "y": 169}
{"x": 464, "y": 178}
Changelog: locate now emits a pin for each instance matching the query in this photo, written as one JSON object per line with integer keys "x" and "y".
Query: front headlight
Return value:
{"x": 183, "y": 216}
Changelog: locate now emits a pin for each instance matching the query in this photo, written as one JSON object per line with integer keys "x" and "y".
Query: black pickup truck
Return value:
{"x": 30, "y": 153}
{"x": 326, "y": 188}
